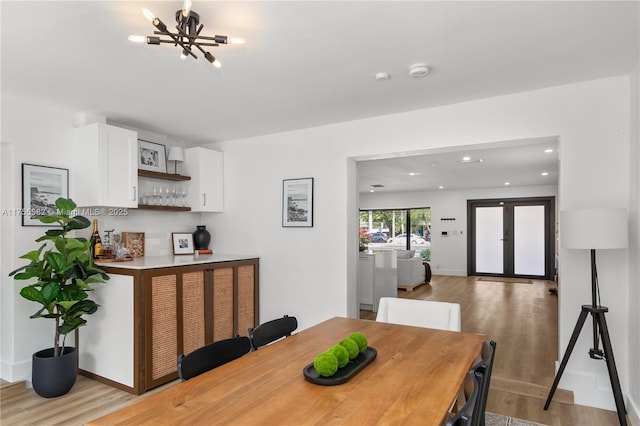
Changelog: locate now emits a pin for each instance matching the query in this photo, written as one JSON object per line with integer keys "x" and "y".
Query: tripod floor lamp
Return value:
{"x": 594, "y": 229}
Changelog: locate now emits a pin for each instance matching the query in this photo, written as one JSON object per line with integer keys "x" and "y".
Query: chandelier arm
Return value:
{"x": 175, "y": 40}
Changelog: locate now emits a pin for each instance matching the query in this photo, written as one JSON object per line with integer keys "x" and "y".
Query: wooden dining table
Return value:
{"x": 414, "y": 379}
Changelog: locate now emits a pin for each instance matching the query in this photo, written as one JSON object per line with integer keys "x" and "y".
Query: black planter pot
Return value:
{"x": 54, "y": 376}
{"x": 201, "y": 238}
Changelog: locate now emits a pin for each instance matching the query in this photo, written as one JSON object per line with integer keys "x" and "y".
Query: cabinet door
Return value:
{"x": 176, "y": 319}
{"x": 106, "y": 171}
{"x": 234, "y": 299}
{"x": 205, "y": 167}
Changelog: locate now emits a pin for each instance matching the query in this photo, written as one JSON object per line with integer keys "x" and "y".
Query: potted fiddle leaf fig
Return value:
{"x": 61, "y": 272}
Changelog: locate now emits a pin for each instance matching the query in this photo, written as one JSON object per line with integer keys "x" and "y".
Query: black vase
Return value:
{"x": 201, "y": 238}
{"x": 54, "y": 376}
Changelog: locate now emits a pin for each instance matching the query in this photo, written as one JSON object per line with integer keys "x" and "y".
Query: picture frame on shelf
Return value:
{"x": 182, "y": 243}
{"x": 297, "y": 203}
{"x": 41, "y": 187}
{"x": 134, "y": 242}
{"x": 152, "y": 156}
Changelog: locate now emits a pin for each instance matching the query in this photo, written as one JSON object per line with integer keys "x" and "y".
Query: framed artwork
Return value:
{"x": 152, "y": 156}
{"x": 182, "y": 242}
{"x": 297, "y": 203}
{"x": 41, "y": 187}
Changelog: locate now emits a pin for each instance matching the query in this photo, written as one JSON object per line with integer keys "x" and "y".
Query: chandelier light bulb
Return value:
{"x": 148, "y": 14}
{"x": 237, "y": 40}
{"x": 183, "y": 55}
{"x": 216, "y": 64}
{"x": 137, "y": 38}
{"x": 186, "y": 9}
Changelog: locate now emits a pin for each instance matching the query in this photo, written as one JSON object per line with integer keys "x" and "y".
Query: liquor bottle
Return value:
{"x": 96, "y": 241}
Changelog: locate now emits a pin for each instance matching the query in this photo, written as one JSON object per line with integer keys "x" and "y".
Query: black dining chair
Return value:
{"x": 465, "y": 415}
{"x": 484, "y": 367}
{"x": 211, "y": 356}
{"x": 271, "y": 331}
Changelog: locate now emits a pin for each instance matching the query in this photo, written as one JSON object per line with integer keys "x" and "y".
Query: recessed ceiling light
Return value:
{"x": 382, "y": 76}
{"x": 415, "y": 173}
{"x": 466, "y": 158}
{"x": 418, "y": 70}
{"x": 372, "y": 190}
{"x": 548, "y": 151}
{"x": 507, "y": 183}
{"x": 544, "y": 173}
{"x": 441, "y": 187}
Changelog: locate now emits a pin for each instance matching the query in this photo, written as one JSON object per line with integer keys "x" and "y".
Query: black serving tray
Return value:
{"x": 343, "y": 374}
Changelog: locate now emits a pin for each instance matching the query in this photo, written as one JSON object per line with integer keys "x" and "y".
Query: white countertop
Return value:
{"x": 151, "y": 262}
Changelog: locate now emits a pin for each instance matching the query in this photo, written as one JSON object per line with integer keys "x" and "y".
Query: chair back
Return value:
{"x": 465, "y": 415}
{"x": 484, "y": 367}
{"x": 211, "y": 356}
{"x": 271, "y": 331}
{"x": 420, "y": 313}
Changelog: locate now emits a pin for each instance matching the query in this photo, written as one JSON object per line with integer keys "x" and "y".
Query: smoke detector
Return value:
{"x": 418, "y": 70}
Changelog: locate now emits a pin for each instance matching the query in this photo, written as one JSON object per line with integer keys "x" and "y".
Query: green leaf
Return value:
{"x": 78, "y": 222}
{"x": 65, "y": 204}
{"x": 33, "y": 255}
{"x": 54, "y": 232}
{"x": 30, "y": 273}
{"x": 50, "y": 219}
{"x": 50, "y": 291}
{"x": 72, "y": 243}
{"x": 57, "y": 261}
{"x": 32, "y": 294}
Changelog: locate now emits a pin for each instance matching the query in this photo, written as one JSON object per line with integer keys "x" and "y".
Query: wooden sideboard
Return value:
{"x": 150, "y": 315}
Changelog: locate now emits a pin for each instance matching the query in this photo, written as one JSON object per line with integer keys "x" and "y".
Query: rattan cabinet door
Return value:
{"x": 175, "y": 319}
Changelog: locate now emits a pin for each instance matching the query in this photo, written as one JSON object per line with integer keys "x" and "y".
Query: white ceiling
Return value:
{"x": 305, "y": 63}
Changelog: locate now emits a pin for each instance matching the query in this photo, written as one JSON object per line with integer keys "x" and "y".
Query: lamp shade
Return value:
{"x": 598, "y": 228}
{"x": 176, "y": 153}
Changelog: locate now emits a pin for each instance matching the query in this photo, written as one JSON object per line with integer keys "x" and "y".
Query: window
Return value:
{"x": 388, "y": 230}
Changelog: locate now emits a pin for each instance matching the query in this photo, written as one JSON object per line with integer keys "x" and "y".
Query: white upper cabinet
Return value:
{"x": 205, "y": 167}
{"x": 106, "y": 170}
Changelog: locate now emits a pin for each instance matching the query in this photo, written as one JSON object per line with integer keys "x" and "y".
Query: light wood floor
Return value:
{"x": 521, "y": 318}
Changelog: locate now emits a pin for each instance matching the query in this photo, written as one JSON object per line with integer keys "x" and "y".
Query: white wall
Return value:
{"x": 37, "y": 133}
{"x": 448, "y": 254}
{"x": 634, "y": 251}
{"x": 309, "y": 272}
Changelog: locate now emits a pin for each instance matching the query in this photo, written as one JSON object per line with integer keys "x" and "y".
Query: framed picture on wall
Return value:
{"x": 297, "y": 202}
{"x": 152, "y": 156}
{"x": 41, "y": 187}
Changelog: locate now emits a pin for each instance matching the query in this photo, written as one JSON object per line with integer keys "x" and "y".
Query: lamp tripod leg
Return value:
{"x": 567, "y": 355}
{"x": 611, "y": 367}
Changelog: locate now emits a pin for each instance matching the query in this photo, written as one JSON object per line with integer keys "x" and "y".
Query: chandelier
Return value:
{"x": 187, "y": 36}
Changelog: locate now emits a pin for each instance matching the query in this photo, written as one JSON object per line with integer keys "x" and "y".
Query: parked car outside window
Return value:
{"x": 401, "y": 239}
{"x": 378, "y": 237}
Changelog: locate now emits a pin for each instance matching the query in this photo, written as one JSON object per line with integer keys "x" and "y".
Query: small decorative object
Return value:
{"x": 41, "y": 187}
{"x": 201, "y": 237}
{"x": 341, "y": 354}
{"x": 152, "y": 156}
{"x": 134, "y": 241}
{"x": 182, "y": 242}
{"x": 339, "y": 363}
{"x": 297, "y": 202}
{"x": 326, "y": 364}
{"x": 62, "y": 270}
{"x": 176, "y": 154}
